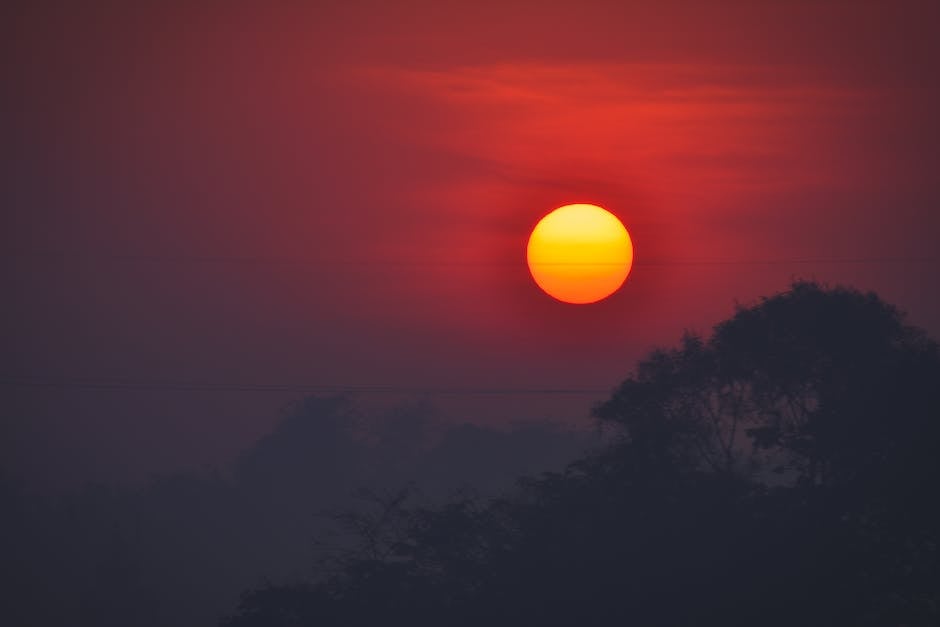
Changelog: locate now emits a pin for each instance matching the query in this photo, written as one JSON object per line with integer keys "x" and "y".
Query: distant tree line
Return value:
{"x": 178, "y": 550}
{"x": 783, "y": 471}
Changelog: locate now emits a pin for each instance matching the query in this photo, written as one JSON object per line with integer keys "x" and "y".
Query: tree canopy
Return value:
{"x": 781, "y": 471}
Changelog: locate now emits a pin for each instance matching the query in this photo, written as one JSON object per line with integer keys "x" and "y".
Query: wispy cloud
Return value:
{"x": 673, "y": 127}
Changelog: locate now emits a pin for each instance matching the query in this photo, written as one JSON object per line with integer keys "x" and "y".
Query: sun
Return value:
{"x": 579, "y": 253}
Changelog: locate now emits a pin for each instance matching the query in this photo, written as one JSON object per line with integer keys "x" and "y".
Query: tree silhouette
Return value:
{"x": 179, "y": 549}
{"x": 779, "y": 472}
{"x": 819, "y": 384}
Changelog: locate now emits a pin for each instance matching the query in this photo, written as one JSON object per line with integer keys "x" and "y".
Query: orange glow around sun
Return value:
{"x": 580, "y": 253}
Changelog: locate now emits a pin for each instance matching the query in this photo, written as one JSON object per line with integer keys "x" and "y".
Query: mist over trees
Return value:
{"x": 782, "y": 471}
{"x": 179, "y": 550}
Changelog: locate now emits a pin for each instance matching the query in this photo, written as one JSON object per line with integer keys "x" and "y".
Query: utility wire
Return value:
{"x": 333, "y": 261}
{"x": 197, "y": 386}
{"x": 203, "y": 386}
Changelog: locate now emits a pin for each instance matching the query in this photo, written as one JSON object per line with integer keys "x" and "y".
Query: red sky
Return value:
{"x": 339, "y": 194}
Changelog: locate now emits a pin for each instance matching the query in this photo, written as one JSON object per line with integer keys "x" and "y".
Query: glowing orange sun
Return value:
{"x": 579, "y": 253}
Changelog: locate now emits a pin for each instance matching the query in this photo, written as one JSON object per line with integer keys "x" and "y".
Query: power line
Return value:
{"x": 334, "y": 261}
{"x": 757, "y": 262}
{"x": 204, "y": 386}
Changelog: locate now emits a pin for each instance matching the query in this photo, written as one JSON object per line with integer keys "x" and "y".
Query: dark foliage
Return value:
{"x": 781, "y": 472}
{"x": 178, "y": 550}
